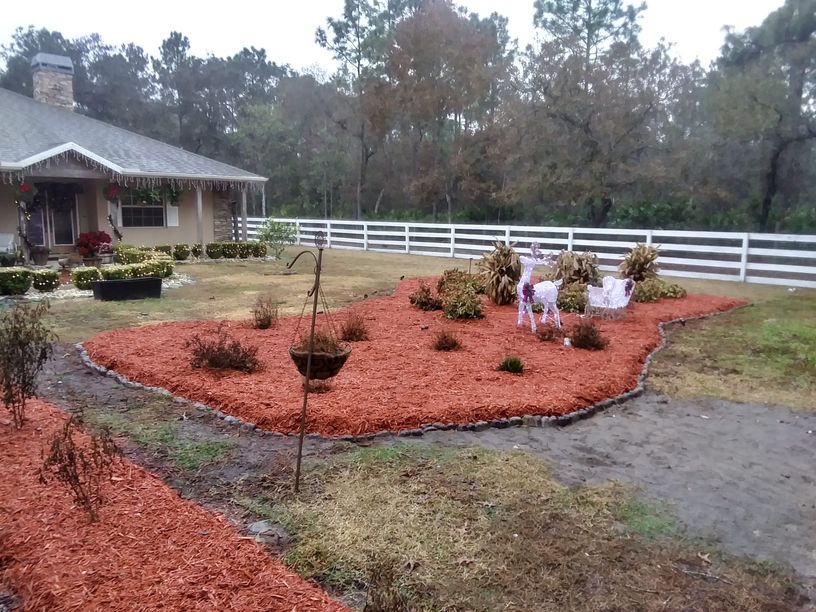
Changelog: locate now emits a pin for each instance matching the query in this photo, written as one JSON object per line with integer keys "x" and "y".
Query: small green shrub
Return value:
{"x": 129, "y": 254}
{"x": 259, "y": 249}
{"x": 181, "y": 252}
{"x": 230, "y": 249}
{"x": 674, "y": 291}
{"x": 451, "y": 279}
{"x": 160, "y": 265}
{"x": 215, "y": 250}
{"x": 462, "y": 303}
{"x": 354, "y": 328}
{"x": 446, "y": 341}
{"x": 572, "y": 298}
{"x": 277, "y": 236}
{"x": 423, "y": 299}
{"x": 514, "y": 365}
{"x": 585, "y": 335}
{"x": 14, "y": 281}
{"x": 640, "y": 263}
{"x": 222, "y": 352}
{"x": 83, "y": 276}
{"x": 197, "y": 250}
{"x": 649, "y": 290}
{"x": 245, "y": 250}
{"x": 167, "y": 249}
{"x": 45, "y": 280}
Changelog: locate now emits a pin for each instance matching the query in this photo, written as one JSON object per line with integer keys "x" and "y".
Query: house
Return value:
{"x": 76, "y": 174}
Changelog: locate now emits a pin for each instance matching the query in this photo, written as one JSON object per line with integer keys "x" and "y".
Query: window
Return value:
{"x": 142, "y": 208}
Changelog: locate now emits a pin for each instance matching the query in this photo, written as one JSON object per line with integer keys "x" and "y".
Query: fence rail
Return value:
{"x": 775, "y": 259}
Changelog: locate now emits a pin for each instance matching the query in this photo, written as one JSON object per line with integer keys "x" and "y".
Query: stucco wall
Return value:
{"x": 8, "y": 210}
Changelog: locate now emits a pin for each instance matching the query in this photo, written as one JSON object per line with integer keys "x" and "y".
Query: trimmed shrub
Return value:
{"x": 354, "y": 328}
{"x": 230, "y": 250}
{"x": 245, "y": 250}
{"x": 454, "y": 278}
{"x": 514, "y": 365}
{"x": 572, "y": 298}
{"x": 576, "y": 268}
{"x": 160, "y": 265}
{"x": 277, "y": 236}
{"x": 585, "y": 335}
{"x": 259, "y": 249}
{"x": 446, "y": 341}
{"x": 167, "y": 249}
{"x": 652, "y": 289}
{"x": 197, "y": 250}
{"x": 129, "y": 254}
{"x": 45, "y": 280}
{"x": 222, "y": 352}
{"x": 423, "y": 299}
{"x": 14, "y": 281}
{"x": 83, "y": 276}
{"x": 265, "y": 311}
{"x": 674, "y": 291}
{"x": 181, "y": 252}
{"x": 640, "y": 263}
{"x": 215, "y": 250}
{"x": 462, "y": 303}
{"x": 125, "y": 271}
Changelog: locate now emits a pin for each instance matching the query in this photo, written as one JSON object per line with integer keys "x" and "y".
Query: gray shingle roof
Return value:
{"x": 32, "y": 131}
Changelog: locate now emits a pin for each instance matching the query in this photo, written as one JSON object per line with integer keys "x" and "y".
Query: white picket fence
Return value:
{"x": 776, "y": 259}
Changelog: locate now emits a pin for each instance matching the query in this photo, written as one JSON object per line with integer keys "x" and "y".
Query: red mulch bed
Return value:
{"x": 152, "y": 550}
{"x": 395, "y": 380}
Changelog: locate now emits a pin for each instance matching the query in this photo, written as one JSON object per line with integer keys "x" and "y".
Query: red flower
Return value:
{"x": 89, "y": 243}
{"x": 25, "y": 187}
{"x": 112, "y": 191}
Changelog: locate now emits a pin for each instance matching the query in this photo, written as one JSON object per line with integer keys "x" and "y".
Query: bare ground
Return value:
{"x": 740, "y": 475}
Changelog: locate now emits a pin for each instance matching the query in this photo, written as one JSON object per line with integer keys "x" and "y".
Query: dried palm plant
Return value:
{"x": 501, "y": 270}
{"x": 640, "y": 263}
{"x": 576, "y": 268}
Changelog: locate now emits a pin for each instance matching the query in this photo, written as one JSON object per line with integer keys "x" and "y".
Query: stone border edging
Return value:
{"x": 516, "y": 421}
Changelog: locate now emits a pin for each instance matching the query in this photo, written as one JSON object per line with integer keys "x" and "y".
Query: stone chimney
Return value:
{"x": 53, "y": 77}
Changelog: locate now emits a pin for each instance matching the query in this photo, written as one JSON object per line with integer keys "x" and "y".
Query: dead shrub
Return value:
{"x": 83, "y": 468}
{"x": 384, "y": 593}
{"x": 26, "y": 343}
{"x": 354, "y": 328}
{"x": 424, "y": 299}
{"x": 265, "y": 311}
{"x": 585, "y": 335}
{"x": 222, "y": 352}
{"x": 324, "y": 342}
{"x": 547, "y": 333}
{"x": 446, "y": 341}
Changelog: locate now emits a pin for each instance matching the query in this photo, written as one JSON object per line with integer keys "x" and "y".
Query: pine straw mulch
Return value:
{"x": 395, "y": 380}
{"x": 151, "y": 549}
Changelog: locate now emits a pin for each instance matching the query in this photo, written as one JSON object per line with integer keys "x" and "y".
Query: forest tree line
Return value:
{"x": 435, "y": 113}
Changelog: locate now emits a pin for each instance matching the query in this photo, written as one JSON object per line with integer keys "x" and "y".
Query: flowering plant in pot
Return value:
{"x": 91, "y": 244}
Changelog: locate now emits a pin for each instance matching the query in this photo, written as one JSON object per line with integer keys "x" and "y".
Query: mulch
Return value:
{"x": 395, "y": 380}
{"x": 152, "y": 550}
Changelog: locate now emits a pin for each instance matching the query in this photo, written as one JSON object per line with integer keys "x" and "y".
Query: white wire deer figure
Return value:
{"x": 544, "y": 293}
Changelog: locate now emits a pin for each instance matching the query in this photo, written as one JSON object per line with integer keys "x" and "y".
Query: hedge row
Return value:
{"x": 231, "y": 250}
{"x": 15, "y": 281}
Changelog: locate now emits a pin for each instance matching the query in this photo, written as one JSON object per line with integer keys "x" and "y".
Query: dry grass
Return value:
{"x": 481, "y": 530}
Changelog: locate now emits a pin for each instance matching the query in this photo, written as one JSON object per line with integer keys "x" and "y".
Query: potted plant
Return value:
{"x": 328, "y": 355}
{"x": 39, "y": 255}
{"x": 89, "y": 245}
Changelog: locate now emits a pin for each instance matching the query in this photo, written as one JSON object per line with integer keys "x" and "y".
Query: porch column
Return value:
{"x": 263, "y": 201}
{"x": 199, "y": 216}
{"x": 244, "y": 228}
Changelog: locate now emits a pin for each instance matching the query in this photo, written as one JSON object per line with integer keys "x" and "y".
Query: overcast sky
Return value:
{"x": 286, "y": 28}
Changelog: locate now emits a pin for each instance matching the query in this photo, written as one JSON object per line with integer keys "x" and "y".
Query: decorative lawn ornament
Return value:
{"x": 525, "y": 289}
{"x": 611, "y": 298}
{"x": 312, "y": 361}
{"x": 546, "y": 294}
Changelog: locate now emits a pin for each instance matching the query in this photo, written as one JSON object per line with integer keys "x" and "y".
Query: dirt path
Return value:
{"x": 739, "y": 474}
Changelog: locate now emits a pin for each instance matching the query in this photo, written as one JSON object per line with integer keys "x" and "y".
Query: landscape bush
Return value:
{"x": 214, "y": 250}
{"x": 129, "y": 254}
{"x": 576, "y": 268}
{"x": 446, "y": 341}
{"x": 181, "y": 252}
{"x": 265, "y": 311}
{"x": 501, "y": 270}
{"x": 26, "y": 343}
{"x": 450, "y": 279}
{"x": 511, "y": 364}
{"x": 230, "y": 250}
{"x": 167, "y": 249}
{"x": 245, "y": 250}
{"x": 586, "y": 335}
{"x": 462, "y": 303}
{"x": 277, "y": 236}
{"x": 83, "y": 276}
{"x": 424, "y": 299}
{"x": 222, "y": 352}
{"x": 324, "y": 342}
{"x": 655, "y": 288}
{"x": 160, "y": 265}
{"x": 354, "y": 328}
{"x": 14, "y": 281}
{"x": 45, "y": 280}
{"x": 197, "y": 251}
{"x": 572, "y": 298}
{"x": 640, "y": 263}
{"x": 259, "y": 249}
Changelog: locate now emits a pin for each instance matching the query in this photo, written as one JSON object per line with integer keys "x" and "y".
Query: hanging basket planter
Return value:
{"x": 324, "y": 365}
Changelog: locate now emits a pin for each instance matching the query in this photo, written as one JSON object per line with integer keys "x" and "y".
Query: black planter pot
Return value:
{"x": 127, "y": 289}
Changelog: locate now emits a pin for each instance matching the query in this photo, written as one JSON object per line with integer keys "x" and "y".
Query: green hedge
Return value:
{"x": 83, "y": 276}
{"x": 181, "y": 252}
{"x": 155, "y": 267}
{"x": 164, "y": 248}
{"x": 230, "y": 249}
{"x": 214, "y": 250}
{"x": 45, "y": 280}
{"x": 129, "y": 254}
{"x": 14, "y": 281}
{"x": 197, "y": 250}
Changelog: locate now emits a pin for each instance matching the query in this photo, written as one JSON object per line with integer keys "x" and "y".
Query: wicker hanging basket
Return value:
{"x": 324, "y": 365}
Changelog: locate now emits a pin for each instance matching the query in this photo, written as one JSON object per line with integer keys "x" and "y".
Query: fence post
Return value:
{"x": 453, "y": 241}
{"x": 407, "y": 238}
{"x": 365, "y": 235}
{"x": 507, "y": 235}
{"x": 649, "y": 237}
{"x": 328, "y": 234}
{"x": 297, "y": 232}
{"x": 744, "y": 257}
{"x": 570, "y": 238}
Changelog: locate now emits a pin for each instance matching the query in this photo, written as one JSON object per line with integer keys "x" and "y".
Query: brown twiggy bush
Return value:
{"x": 222, "y": 352}
{"x": 424, "y": 299}
{"x": 323, "y": 343}
{"x": 446, "y": 341}
{"x": 585, "y": 335}
{"x": 265, "y": 311}
{"x": 354, "y": 328}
